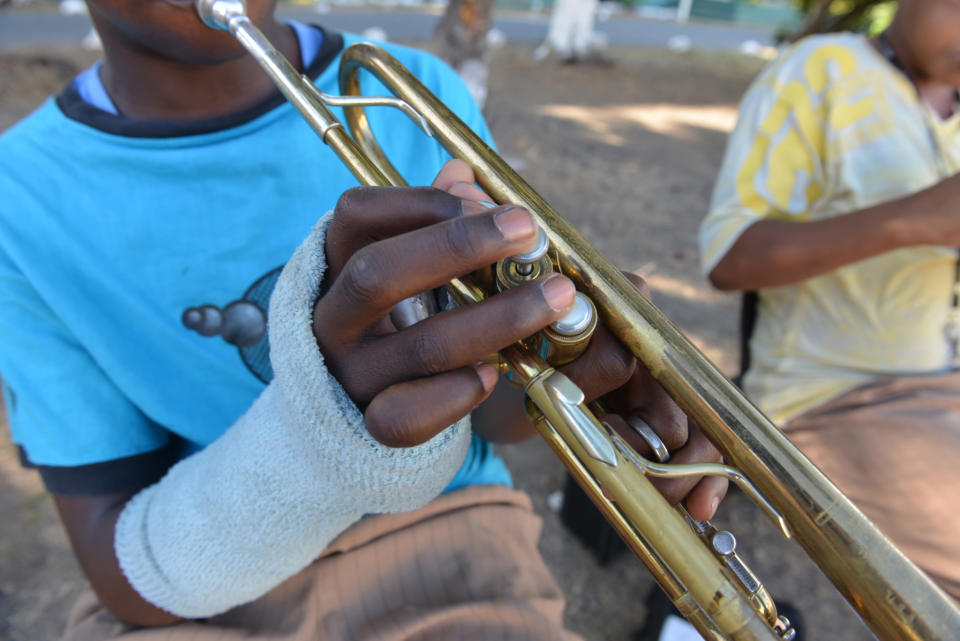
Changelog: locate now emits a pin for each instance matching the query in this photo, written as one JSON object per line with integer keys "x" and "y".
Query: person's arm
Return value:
{"x": 783, "y": 167}
{"x": 185, "y": 545}
{"x": 772, "y": 252}
{"x": 230, "y": 522}
{"x": 90, "y": 522}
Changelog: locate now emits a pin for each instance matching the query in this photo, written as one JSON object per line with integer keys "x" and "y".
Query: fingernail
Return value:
{"x": 488, "y": 376}
{"x": 515, "y": 223}
{"x": 714, "y": 504}
{"x": 559, "y": 292}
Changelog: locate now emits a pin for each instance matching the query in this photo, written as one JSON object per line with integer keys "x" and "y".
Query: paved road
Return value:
{"x": 18, "y": 28}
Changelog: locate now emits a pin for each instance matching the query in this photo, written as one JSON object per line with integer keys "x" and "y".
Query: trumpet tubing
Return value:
{"x": 713, "y": 590}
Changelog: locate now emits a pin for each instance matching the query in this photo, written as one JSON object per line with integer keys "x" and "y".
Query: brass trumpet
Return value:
{"x": 709, "y": 584}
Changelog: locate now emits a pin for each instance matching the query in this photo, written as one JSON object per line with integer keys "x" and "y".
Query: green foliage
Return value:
{"x": 880, "y": 17}
{"x": 867, "y": 16}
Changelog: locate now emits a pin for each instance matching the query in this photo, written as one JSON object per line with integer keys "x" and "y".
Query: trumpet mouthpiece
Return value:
{"x": 217, "y": 14}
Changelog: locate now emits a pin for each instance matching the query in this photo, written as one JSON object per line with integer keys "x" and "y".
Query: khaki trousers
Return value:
{"x": 466, "y": 567}
{"x": 893, "y": 447}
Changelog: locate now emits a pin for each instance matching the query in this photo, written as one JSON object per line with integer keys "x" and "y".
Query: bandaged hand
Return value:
{"x": 386, "y": 244}
{"x": 318, "y": 449}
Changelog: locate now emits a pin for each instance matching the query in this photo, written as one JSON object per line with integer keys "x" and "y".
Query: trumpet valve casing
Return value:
{"x": 570, "y": 336}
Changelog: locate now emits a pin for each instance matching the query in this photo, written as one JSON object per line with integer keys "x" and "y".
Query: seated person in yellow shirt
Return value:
{"x": 839, "y": 204}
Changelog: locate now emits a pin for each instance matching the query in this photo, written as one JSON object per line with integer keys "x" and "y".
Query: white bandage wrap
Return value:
{"x": 233, "y": 521}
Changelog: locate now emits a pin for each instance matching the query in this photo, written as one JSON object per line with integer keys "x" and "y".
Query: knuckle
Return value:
{"x": 352, "y": 201}
{"x": 673, "y": 431}
{"x": 643, "y": 287}
{"x": 672, "y": 490}
{"x": 447, "y": 205}
{"x": 460, "y": 240}
{"x": 639, "y": 282}
{"x": 388, "y": 430}
{"x": 429, "y": 353}
{"x": 363, "y": 280}
{"x": 710, "y": 452}
{"x": 519, "y": 317}
{"x": 358, "y": 383}
{"x": 615, "y": 367}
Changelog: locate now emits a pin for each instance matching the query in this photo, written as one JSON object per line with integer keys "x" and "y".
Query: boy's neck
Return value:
{"x": 146, "y": 86}
{"x": 941, "y": 96}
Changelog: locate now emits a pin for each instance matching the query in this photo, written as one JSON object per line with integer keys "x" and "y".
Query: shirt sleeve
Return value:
{"x": 774, "y": 163}
{"x": 64, "y": 412}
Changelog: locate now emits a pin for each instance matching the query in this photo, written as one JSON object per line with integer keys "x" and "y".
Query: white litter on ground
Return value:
{"x": 679, "y": 43}
{"x": 555, "y": 500}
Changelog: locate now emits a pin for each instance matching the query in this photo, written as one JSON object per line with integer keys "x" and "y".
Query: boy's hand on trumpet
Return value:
{"x": 386, "y": 244}
{"x": 629, "y": 392}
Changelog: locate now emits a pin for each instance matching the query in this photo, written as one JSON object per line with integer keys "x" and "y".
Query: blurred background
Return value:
{"x": 624, "y": 137}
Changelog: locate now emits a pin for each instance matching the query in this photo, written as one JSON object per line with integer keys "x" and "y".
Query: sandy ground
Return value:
{"x": 628, "y": 153}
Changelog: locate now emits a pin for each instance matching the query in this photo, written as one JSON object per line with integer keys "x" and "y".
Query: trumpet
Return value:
{"x": 695, "y": 565}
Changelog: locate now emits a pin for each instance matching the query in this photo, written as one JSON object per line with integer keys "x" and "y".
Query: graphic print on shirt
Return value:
{"x": 242, "y": 322}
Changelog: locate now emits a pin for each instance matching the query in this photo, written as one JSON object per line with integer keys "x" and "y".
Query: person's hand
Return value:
{"x": 640, "y": 399}
{"x": 608, "y": 371}
{"x": 386, "y": 244}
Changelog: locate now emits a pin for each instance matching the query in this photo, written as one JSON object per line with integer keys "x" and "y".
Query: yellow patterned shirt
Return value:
{"x": 828, "y": 128}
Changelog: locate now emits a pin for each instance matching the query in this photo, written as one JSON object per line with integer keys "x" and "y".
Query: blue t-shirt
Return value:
{"x": 136, "y": 259}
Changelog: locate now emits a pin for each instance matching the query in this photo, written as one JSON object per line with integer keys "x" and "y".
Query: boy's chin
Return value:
{"x": 171, "y": 29}
{"x": 209, "y": 48}
{"x": 195, "y": 42}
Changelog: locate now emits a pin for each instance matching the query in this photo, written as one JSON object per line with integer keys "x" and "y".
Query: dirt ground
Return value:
{"x": 628, "y": 153}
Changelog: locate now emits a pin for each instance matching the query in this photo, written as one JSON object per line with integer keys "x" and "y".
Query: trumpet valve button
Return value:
{"x": 578, "y": 320}
{"x": 533, "y": 254}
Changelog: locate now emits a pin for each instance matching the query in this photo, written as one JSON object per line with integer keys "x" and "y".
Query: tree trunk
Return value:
{"x": 461, "y": 40}
{"x": 814, "y": 19}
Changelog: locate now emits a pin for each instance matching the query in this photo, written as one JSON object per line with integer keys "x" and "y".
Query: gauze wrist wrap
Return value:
{"x": 231, "y": 522}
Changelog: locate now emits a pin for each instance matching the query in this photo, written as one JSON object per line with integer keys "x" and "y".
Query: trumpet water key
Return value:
{"x": 697, "y": 566}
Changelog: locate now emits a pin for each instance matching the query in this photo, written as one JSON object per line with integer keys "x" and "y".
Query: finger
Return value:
{"x": 633, "y": 439}
{"x": 697, "y": 450}
{"x": 705, "y": 497}
{"x": 453, "y": 171}
{"x": 644, "y": 398}
{"x": 364, "y": 215}
{"x": 608, "y": 364}
{"x": 413, "y": 412}
{"x": 457, "y": 338}
{"x": 639, "y": 283}
{"x": 603, "y": 367}
{"x": 379, "y": 276}
{"x": 469, "y": 191}
{"x": 457, "y": 178}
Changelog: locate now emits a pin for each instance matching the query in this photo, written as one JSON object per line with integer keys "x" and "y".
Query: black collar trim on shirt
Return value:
{"x": 76, "y": 108}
